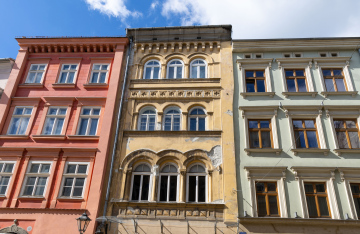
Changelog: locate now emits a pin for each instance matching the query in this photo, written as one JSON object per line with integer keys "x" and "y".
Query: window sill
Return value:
{"x": 352, "y": 93}
{"x": 16, "y": 137}
{"x": 31, "y": 198}
{"x": 346, "y": 151}
{"x": 95, "y": 85}
{"x": 312, "y": 94}
{"x": 264, "y": 150}
{"x": 70, "y": 199}
{"x": 49, "y": 137}
{"x": 311, "y": 150}
{"x": 30, "y": 85}
{"x": 63, "y": 86}
{"x": 270, "y": 94}
{"x": 82, "y": 138}
{"x": 171, "y": 133}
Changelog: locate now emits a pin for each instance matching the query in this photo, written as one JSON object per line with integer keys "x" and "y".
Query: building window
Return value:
{"x": 54, "y": 121}
{"x": 255, "y": 81}
{"x": 36, "y": 73}
{"x": 152, "y": 70}
{"x": 74, "y": 180}
{"x": 141, "y": 183}
{"x": 175, "y": 69}
{"x": 6, "y": 171}
{"x": 267, "y": 199}
{"x": 355, "y": 190}
{"x": 197, "y": 119}
{"x": 36, "y": 179}
{"x": 317, "y": 200}
{"x": 296, "y": 80}
{"x": 147, "y": 120}
{"x": 260, "y": 134}
{"x": 196, "y": 185}
{"x": 347, "y": 134}
{"x": 172, "y": 120}
{"x": 89, "y": 121}
{"x": 305, "y": 133}
{"x": 198, "y": 69}
{"x": 168, "y": 184}
{"x": 67, "y": 73}
{"x": 99, "y": 73}
{"x": 334, "y": 80}
{"x": 20, "y": 120}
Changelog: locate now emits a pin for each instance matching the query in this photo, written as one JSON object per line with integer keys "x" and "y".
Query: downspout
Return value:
{"x": 117, "y": 129}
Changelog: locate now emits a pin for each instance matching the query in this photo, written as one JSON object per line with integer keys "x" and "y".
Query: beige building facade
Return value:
{"x": 174, "y": 170}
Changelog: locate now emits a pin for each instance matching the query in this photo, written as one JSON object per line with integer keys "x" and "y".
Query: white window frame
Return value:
{"x": 198, "y": 69}
{"x": 177, "y": 174}
{"x": 172, "y": 118}
{"x": 37, "y": 175}
{"x": 141, "y": 181}
{"x": 317, "y": 174}
{"x": 68, "y": 71}
{"x": 74, "y": 176}
{"x": 91, "y": 116}
{"x": 147, "y": 118}
{"x": 56, "y": 119}
{"x": 100, "y": 71}
{"x": 206, "y": 174}
{"x": 350, "y": 175}
{"x": 176, "y": 66}
{"x": 267, "y": 174}
{"x": 36, "y": 72}
{"x": 197, "y": 118}
{"x": 21, "y": 119}
{"x": 152, "y": 69}
{"x": 10, "y": 174}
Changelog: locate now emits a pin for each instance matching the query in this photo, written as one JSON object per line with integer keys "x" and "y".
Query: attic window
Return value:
{"x": 198, "y": 38}
{"x": 258, "y": 55}
{"x": 297, "y": 55}
{"x": 248, "y": 56}
{"x": 154, "y": 39}
{"x": 287, "y": 55}
{"x": 334, "y": 54}
{"x": 322, "y": 54}
{"x": 176, "y": 38}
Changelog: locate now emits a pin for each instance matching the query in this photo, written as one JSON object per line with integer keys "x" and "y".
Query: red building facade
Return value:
{"x": 56, "y": 114}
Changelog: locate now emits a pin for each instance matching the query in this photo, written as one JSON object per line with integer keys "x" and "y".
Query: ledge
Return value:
{"x": 16, "y": 137}
{"x": 174, "y": 81}
{"x": 352, "y": 93}
{"x": 63, "y": 86}
{"x": 82, "y": 138}
{"x": 70, "y": 199}
{"x": 286, "y": 94}
{"x": 264, "y": 150}
{"x": 270, "y": 94}
{"x": 31, "y": 198}
{"x": 311, "y": 150}
{"x": 28, "y": 85}
{"x": 49, "y": 137}
{"x": 171, "y": 133}
{"x": 95, "y": 85}
{"x": 347, "y": 151}
{"x": 300, "y": 221}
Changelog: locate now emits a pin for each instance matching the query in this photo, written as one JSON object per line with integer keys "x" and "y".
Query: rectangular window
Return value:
{"x": 89, "y": 120}
{"x": 305, "y": 133}
{"x": 54, "y": 121}
{"x": 36, "y": 179}
{"x": 334, "y": 80}
{"x": 20, "y": 120}
{"x": 99, "y": 73}
{"x": 267, "y": 199}
{"x": 67, "y": 74}
{"x": 74, "y": 180}
{"x": 260, "y": 134}
{"x": 196, "y": 188}
{"x": 36, "y": 73}
{"x": 317, "y": 200}
{"x": 355, "y": 190}
{"x": 141, "y": 187}
{"x": 6, "y": 171}
{"x": 255, "y": 81}
{"x": 296, "y": 80}
{"x": 347, "y": 134}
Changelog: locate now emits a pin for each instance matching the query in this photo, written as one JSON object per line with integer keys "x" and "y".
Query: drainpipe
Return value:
{"x": 117, "y": 129}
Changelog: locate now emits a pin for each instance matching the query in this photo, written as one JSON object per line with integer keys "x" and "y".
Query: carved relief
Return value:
{"x": 178, "y": 94}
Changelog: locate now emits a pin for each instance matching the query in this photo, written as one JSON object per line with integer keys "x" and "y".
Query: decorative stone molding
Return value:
{"x": 147, "y": 94}
{"x": 180, "y": 45}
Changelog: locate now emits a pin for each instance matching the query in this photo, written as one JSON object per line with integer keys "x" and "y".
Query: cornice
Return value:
{"x": 196, "y": 46}
{"x": 185, "y": 94}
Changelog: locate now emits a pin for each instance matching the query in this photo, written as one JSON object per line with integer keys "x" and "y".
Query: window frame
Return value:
{"x": 267, "y": 194}
{"x": 197, "y": 118}
{"x": 68, "y": 71}
{"x": 198, "y": 69}
{"x": 206, "y": 174}
{"x": 37, "y": 175}
{"x": 333, "y": 78}
{"x": 172, "y": 118}
{"x": 142, "y": 110}
{"x": 56, "y": 120}
{"x": 73, "y": 175}
{"x": 152, "y": 70}
{"x": 305, "y": 132}
{"x": 89, "y": 124}
{"x": 7, "y": 174}
{"x": 255, "y": 78}
{"x": 177, "y": 174}
{"x": 150, "y": 174}
{"x": 316, "y": 195}
{"x": 259, "y": 133}
{"x": 347, "y": 130}
{"x": 295, "y": 78}
{"x": 107, "y": 73}
{"x": 175, "y": 69}
{"x": 350, "y": 175}
{"x": 21, "y": 117}
{"x": 42, "y": 77}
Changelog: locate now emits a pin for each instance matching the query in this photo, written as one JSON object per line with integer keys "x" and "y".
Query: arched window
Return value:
{"x": 172, "y": 120}
{"x": 197, "y": 118}
{"x": 198, "y": 69}
{"x": 140, "y": 187}
{"x": 168, "y": 189}
{"x": 196, "y": 184}
{"x": 147, "y": 120}
{"x": 175, "y": 69}
{"x": 152, "y": 70}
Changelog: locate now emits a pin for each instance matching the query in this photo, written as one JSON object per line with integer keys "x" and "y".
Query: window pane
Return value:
{"x": 309, "y": 188}
{"x": 23, "y": 126}
{"x": 201, "y": 189}
{"x": 337, "y": 72}
{"x": 202, "y": 72}
{"x": 309, "y": 124}
{"x": 323, "y": 207}
{"x": 31, "y": 77}
{"x": 77, "y": 191}
{"x": 326, "y": 72}
{"x": 271, "y": 187}
{"x": 259, "y": 74}
{"x": 148, "y": 73}
{"x": 136, "y": 187}
{"x": 167, "y": 124}
{"x": 71, "y": 168}
{"x": 31, "y": 181}
{"x": 193, "y": 72}
{"x": 299, "y": 73}
{"x": 163, "y": 188}
{"x": 253, "y": 124}
{"x": 79, "y": 182}
{"x": 48, "y": 126}
{"x": 192, "y": 188}
{"x": 254, "y": 140}
{"x": 45, "y": 168}
{"x": 312, "y": 139}
{"x": 260, "y": 187}
{"x": 192, "y": 124}
{"x": 310, "y": 200}
{"x": 297, "y": 124}
{"x": 249, "y": 74}
{"x": 273, "y": 206}
{"x": 63, "y": 77}
{"x": 201, "y": 124}
{"x": 95, "y": 77}
{"x": 354, "y": 139}
{"x": 93, "y": 127}
{"x": 14, "y": 125}
{"x": 171, "y": 72}
{"x": 58, "y": 127}
{"x": 355, "y": 188}
{"x": 73, "y": 67}
{"x": 176, "y": 125}
{"x": 82, "y": 169}
{"x": 250, "y": 86}
{"x": 145, "y": 187}
{"x": 8, "y": 167}
{"x": 320, "y": 188}
{"x": 83, "y": 126}
{"x": 291, "y": 85}
{"x": 329, "y": 85}
{"x": 34, "y": 67}
{"x": 266, "y": 139}
{"x": 261, "y": 203}
{"x": 28, "y": 190}
{"x": 357, "y": 206}
{"x": 104, "y": 67}
{"x": 27, "y": 111}
{"x": 1, "y": 166}
{"x": 97, "y": 67}
{"x": 66, "y": 192}
{"x": 340, "y": 85}
{"x": 96, "y": 112}
{"x": 299, "y": 139}
{"x": 34, "y": 168}
{"x": 19, "y": 111}
{"x": 264, "y": 124}
{"x": 338, "y": 124}
{"x": 68, "y": 181}
{"x": 350, "y": 124}
{"x": 342, "y": 140}
{"x": 260, "y": 85}
{"x": 179, "y": 72}
{"x": 143, "y": 123}
{"x": 173, "y": 188}
{"x": 102, "y": 77}
{"x": 301, "y": 85}
{"x": 42, "y": 181}
{"x": 151, "y": 123}
{"x": 156, "y": 73}
{"x": 71, "y": 77}
{"x": 86, "y": 111}
{"x": 38, "y": 77}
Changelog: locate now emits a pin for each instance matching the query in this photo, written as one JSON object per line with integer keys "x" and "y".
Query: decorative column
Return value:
{"x": 210, "y": 185}
{"x": 127, "y": 187}
{"x": 186, "y": 70}
{"x": 135, "y": 120}
{"x": 182, "y": 188}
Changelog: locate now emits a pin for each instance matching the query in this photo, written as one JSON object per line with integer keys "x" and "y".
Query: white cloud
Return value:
{"x": 114, "y": 8}
{"x": 271, "y": 19}
{"x": 154, "y": 4}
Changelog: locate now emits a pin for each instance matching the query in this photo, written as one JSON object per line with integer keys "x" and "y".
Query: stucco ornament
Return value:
{"x": 13, "y": 229}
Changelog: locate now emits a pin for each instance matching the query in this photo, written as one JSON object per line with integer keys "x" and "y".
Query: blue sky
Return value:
{"x": 250, "y": 19}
